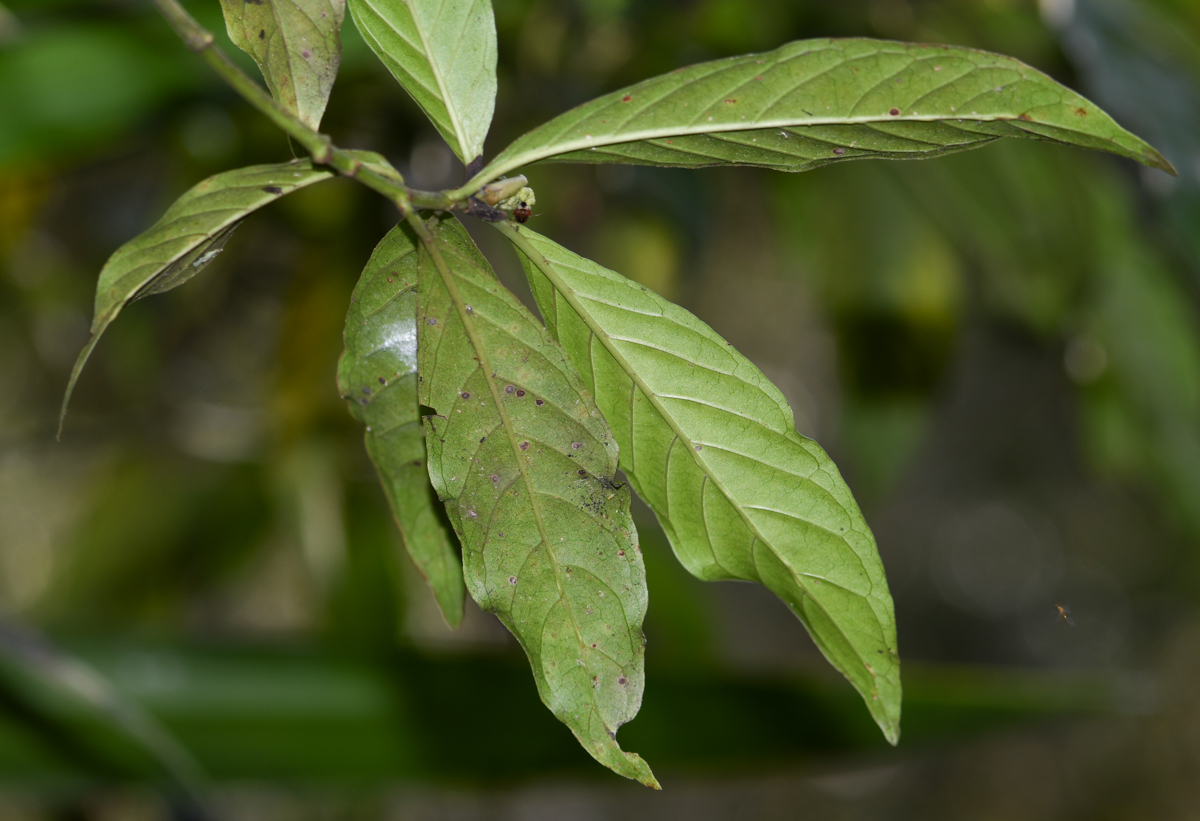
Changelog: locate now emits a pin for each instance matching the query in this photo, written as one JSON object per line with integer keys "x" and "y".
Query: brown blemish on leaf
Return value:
{"x": 1025, "y": 117}
{"x": 627, "y": 98}
{"x": 730, "y": 101}
{"x": 895, "y": 112}
{"x": 272, "y": 189}
{"x": 1081, "y": 112}
{"x": 839, "y": 151}
{"x": 262, "y": 34}
{"x": 524, "y": 446}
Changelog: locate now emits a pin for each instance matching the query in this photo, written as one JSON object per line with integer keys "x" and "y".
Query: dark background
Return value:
{"x": 1000, "y": 349}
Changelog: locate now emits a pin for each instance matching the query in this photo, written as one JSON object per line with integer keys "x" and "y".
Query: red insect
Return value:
{"x": 522, "y": 212}
{"x": 1065, "y": 612}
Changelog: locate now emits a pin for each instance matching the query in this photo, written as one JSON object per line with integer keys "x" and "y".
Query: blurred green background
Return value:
{"x": 203, "y": 611}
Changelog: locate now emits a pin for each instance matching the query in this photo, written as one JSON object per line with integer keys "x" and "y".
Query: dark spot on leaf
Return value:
{"x": 272, "y": 189}
{"x": 612, "y": 735}
{"x": 699, "y": 448}
{"x": 593, "y": 645}
{"x": 576, "y": 445}
{"x": 432, "y": 321}
{"x": 1081, "y": 111}
{"x": 583, "y": 473}
{"x": 306, "y": 54}
{"x": 1025, "y": 117}
{"x": 621, "y": 680}
{"x": 512, "y": 579}
{"x": 481, "y": 439}
{"x": 417, "y": 462}
{"x": 539, "y": 402}
{"x": 520, "y": 394}
{"x": 624, "y": 99}
{"x": 470, "y": 310}
{"x": 494, "y": 478}
{"x": 895, "y": 112}
{"x": 509, "y": 389}
{"x": 262, "y": 34}
{"x": 730, "y": 102}
{"x": 367, "y": 391}
{"x": 621, "y": 553}
{"x": 465, "y": 395}
{"x": 524, "y": 446}
{"x": 839, "y": 151}
{"x": 382, "y": 381}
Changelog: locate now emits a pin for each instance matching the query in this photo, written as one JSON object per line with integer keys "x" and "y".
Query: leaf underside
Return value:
{"x": 186, "y": 239}
{"x": 297, "y": 46}
{"x": 815, "y": 102}
{"x": 710, "y": 444}
{"x": 377, "y": 376}
{"x": 443, "y": 53}
{"x": 526, "y": 464}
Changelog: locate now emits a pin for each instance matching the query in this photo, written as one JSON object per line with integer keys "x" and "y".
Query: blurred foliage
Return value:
{"x": 1000, "y": 349}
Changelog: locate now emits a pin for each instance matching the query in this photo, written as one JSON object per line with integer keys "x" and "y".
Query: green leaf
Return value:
{"x": 710, "y": 444}
{"x": 377, "y": 376}
{"x": 526, "y": 465}
{"x": 444, "y": 55}
{"x": 296, "y": 44}
{"x": 188, "y": 237}
{"x": 816, "y": 102}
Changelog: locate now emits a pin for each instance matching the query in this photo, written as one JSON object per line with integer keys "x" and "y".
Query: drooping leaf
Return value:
{"x": 377, "y": 376}
{"x": 710, "y": 444}
{"x": 297, "y": 46}
{"x": 815, "y": 102}
{"x": 444, "y": 55}
{"x": 525, "y": 464}
{"x": 188, "y": 237}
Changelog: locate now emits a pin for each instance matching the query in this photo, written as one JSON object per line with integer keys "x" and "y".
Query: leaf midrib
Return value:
{"x": 547, "y": 269}
{"x": 494, "y": 389}
{"x": 529, "y": 157}
{"x": 459, "y": 133}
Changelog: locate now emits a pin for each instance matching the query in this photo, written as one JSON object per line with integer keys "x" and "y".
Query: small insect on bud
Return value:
{"x": 520, "y": 205}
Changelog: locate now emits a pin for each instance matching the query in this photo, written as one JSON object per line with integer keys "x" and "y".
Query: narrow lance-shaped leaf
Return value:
{"x": 526, "y": 465}
{"x": 297, "y": 46}
{"x": 377, "y": 376}
{"x": 815, "y": 102}
{"x": 443, "y": 54}
{"x": 712, "y": 447}
{"x": 188, "y": 237}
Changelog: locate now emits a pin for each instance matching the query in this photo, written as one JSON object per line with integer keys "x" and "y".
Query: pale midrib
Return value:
{"x": 503, "y": 166}
{"x": 447, "y": 101}
{"x": 547, "y": 268}
{"x": 494, "y": 389}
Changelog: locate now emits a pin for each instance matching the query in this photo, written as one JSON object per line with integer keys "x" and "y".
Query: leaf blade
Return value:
{"x": 297, "y": 47}
{"x": 444, "y": 56}
{"x": 526, "y": 464}
{"x": 814, "y": 102}
{"x": 710, "y": 444}
{"x": 377, "y": 375}
{"x": 184, "y": 241}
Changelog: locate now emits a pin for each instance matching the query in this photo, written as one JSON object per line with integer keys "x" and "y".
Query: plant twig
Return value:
{"x": 200, "y": 41}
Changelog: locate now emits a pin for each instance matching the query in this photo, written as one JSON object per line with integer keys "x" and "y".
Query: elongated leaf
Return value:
{"x": 377, "y": 376}
{"x": 815, "y": 102}
{"x": 297, "y": 46}
{"x": 443, "y": 52}
{"x": 712, "y": 447}
{"x": 526, "y": 465}
{"x": 188, "y": 237}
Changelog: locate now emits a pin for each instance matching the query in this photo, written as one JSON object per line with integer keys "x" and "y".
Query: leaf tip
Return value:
{"x": 75, "y": 372}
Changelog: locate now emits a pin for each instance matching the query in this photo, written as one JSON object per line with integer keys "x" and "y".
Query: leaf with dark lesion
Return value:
{"x": 377, "y": 376}
{"x": 186, "y": 239}
{"x": 815, "y": 102}
{"x": 526, "y": 466}
{"x": 296, "y": 44}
